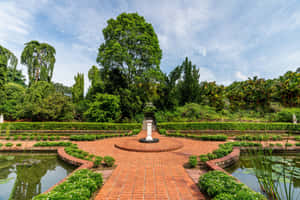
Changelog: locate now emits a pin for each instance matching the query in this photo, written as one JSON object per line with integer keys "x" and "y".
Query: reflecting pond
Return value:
{"x": 23, "y": 176}
{"x": 244, "y": 171}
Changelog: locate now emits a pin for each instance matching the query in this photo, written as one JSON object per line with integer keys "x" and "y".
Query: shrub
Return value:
{"x": 83, "y": 137}
{"x": 136, "y": 131}
{"x": 57, "y": 137}
{"x": 162, "y": 131}
{"x": 297, "y": 138}
{"x": 19, "y": 144}
{"x": 271, "y": 145}
{"x": 23, "y": 137}
{"x": 278, "y": 145}
{"x": 50, "y": 144}
{"x": 45, "y": 137}
{"x": 193, "y": 161}
{"x": 203, "y": 158}
{"x": 297, "y": 144}
{"x": 109, "y": 161}
{"x": 220, "y": 186}
{"x": 16, "y": 137}
{"x": 38, "y": 138}
{"x": 31, "y": 137}
{"x": 1, "y": 145}
{"x": 69, "y": 126}
{"x": 9, "y": 144}
{"x": 97, "y": 161}
{"x": 227, "y": 126}
{"x": 288, "y": 144}
{"x": 7, "y": 138}
{"x": 80, "y": 185}
{"x": 52, "y": 138}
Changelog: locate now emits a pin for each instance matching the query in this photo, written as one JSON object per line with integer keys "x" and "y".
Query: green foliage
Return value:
{"x": 287, "y": 90}
{"x": 97, "y": 161}
{"x": 42, "y": 102}
{"x": 39, "y": 59}
{"x": 193, "y": 161}
{"x": 131, "y": 45}
{"x": 188, "y": 87}
{"x": 286, "y": 115}
{"x": 78, "y": 88}
{"x": 109, "y": 161}
{"x": 13, "y": 99}
{"x": 83, "y": 137}
{"x": 212, "y": 95}
{"x": 69, "y": 126}
{"x": 199, "y": 137}
{"x": 104, "y": 108}
{"x": 9, "y": 144}
{"x": 7, "y": 61}
{"x": 258, "y": 137}
{"x": 252, "y": 94}
{"x": 79, "y": 186}
{"x": 221, "y": 186}
{"x": 227, "y": 126}
{"x": 51, "y": 144}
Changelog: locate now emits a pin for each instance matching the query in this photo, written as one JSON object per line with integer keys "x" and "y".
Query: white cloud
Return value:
{"x": 206, "y": 75}
{"x": 240, "y": 76}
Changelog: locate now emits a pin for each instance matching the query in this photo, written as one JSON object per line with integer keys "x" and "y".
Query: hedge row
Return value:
{"x": 80, "y": 186}
{"x": 220, "y": 186}
{"x": 68, "y": 126}
{"x": 228, "y": 126}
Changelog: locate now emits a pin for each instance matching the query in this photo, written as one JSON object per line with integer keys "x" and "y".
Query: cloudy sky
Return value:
{"x": 227, "y": 39}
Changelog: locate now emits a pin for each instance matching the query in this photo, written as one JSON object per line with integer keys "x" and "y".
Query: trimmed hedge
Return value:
{"x": 68, "y": 126}
{"x": 228, "y": 126}
{"x": 52, "y": 144}
{"x": 258, "y": 137}
{"x": 199, "y": 137}
{"x": 220, "y": 186}
{"x": 80, "y": 186}
{"x": 225, "y": 149}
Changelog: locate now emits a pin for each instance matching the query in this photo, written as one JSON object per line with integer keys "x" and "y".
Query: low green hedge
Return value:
{"x": 225, "y": 149}
{"x": 68, "y": 126}
{"x": 88, "y": 137}
{"x": 74, "y": 151}
{"x": 258, "y": 137}
{"x": 52, "y": 144}
{"x": 228, "y": 126}
{"x": 80, "y": 186}
{"x": 220, "y": 186}
{"x": 199, "y": 137}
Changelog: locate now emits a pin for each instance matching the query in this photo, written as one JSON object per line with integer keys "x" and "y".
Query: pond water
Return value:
{"x": 23, "y": 176}
{"x": 244, "y": 171}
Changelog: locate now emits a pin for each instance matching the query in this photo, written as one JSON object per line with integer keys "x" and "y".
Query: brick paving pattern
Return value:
{"x": 149, "y": 175}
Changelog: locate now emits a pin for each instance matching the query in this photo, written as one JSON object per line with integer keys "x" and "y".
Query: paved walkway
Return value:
{"x": 149, "y": 175}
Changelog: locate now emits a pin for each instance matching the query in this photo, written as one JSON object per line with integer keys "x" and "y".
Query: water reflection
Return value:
{"x": 22, "y": 176}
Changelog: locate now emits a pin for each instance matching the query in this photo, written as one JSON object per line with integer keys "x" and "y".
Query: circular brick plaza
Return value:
{"x": 151, "y": 175}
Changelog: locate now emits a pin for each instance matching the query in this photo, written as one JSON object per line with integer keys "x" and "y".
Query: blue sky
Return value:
{"x": 228, "y": 40}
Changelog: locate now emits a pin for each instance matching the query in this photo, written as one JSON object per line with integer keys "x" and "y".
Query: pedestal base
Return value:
{"x": 145, "y": 140}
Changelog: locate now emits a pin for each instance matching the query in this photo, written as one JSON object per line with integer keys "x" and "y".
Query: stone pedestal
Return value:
{"x": 149, "y": 130}
{"x": 1, "y": 118}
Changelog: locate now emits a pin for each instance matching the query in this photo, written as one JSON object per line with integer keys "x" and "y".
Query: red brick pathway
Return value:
{"x": 149, "y": 175}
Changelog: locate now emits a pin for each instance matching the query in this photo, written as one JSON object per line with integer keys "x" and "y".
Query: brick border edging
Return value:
{"x": 149, "y": 150}
{"x": 83, "y": 164}
{"x": 226, "y": 161}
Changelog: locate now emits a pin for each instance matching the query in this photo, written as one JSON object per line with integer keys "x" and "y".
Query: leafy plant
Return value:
{"x": 193, "y": 161}
{"x": 109, "y": 161}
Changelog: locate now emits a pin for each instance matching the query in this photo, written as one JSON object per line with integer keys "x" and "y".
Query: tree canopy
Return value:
{"x": 39, "y": 59}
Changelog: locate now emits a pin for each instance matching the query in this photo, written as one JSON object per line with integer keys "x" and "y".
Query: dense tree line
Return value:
{"x": 128, "y": 76}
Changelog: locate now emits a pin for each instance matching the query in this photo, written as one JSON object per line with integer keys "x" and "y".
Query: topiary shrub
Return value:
{"x": 109, "y": 161}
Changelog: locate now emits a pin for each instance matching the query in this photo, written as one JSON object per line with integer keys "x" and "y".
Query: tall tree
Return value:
{"x": 97, "y": 85}
{"x": 7, "y": 60}
{"x": 39, "y": 59}
{"x": 188, "y": 85}
{"x": 78, "y": 88}
{"x": 130, "y": 47}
